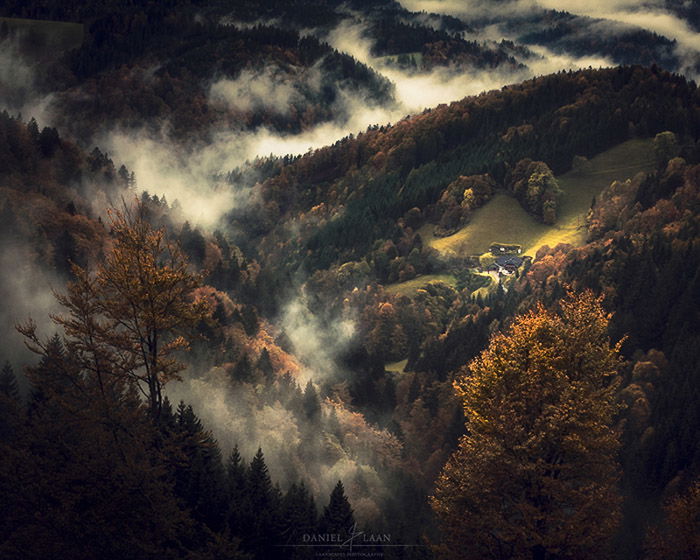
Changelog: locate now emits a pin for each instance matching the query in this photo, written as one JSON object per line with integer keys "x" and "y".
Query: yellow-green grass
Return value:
{"x": 502, "y": 219}
{"x": 410, "y": 286}
{"x": 57, "y": 35}
{"x": 484, "y": 291}
{"x": 396, "y": 367}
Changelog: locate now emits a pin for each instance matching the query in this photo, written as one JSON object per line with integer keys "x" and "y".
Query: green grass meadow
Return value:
{"x": 503, "y": 220}
{"x": 410, "y": 286}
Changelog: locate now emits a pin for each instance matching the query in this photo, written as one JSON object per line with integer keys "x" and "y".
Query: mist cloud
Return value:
{"x": 416, "y": 92}
{"x": 549, "y": 62}
{"x": 18, "y": 91}
{"x": 16, "y": 77}
{"x": 268, "y": 89}
{"x": 656, "y": 20}
{"x": 316, "y": 343}
{"x": 360, "y": 115}
{"x": 337, "y": 445}
{"x": 164, "y": 168}
{"x": 26, "y": 290}
{"x": 649, "y": 15}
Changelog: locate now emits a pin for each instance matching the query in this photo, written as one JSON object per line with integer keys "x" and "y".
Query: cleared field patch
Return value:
{"x": 484, "y": 291}
{"x": 410, "y": 286}
{"x": 396, "y": 367}
{"x": 392, "y": 59}
{"x": 503, "y": 220}
{"x": 49, "y": 36}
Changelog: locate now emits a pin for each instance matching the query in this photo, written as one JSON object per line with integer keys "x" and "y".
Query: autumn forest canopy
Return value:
{"x": 411, "y": 280}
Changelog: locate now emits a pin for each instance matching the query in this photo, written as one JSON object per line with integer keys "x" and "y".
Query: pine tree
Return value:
{"x": 167, "y": 417}
{"x": 332, "y": 423}
{"x": 243, "y": 371}
{"x": 249, "y": 318}
{"x": 259, "y": 482}
{"x": 65, "y": 252}
{"x": 87, "y": 479}
{"x": 536, "y": 474}
{"x": 299, "y": 518}
{"x": 311, "y": 403}
{"x": 53, "y": 371}
{"x": 264, "y": 366}
{"x": 338, "y": 516}
{"x": 10, "y": 404}
{"x": 200, "y": 479}
{"x": 236, "y": 474}
{"x": 8, "y": 383}
{"x": 261, "y": 512}
{"x": 236, "y": 484}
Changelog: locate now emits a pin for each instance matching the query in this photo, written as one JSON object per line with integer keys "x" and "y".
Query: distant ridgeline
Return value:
{"x": 360, "y": 189}
{"x": 194, "y": 47}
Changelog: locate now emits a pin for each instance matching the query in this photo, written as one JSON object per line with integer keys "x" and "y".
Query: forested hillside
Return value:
{"x": 241, "y": 323}
{"x": 385, "y": 172}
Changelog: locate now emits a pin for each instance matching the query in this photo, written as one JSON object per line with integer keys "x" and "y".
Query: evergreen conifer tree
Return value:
{"x": 338, "y": 516}
{"x": 260, "y": 521}
{"x": 201, "y": 480}
{"x": 8, "y": 383}
{"x": 311, "y": 403}
{"x": 10, "y": 404}
{"x": 236, "y": 481}
{"x": 299, "y": 519}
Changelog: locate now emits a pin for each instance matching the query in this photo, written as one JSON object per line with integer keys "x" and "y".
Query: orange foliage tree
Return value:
{"x": 128, "y": 317}
{"x": 679, "y": 534}
{"x": 536, "y": 474}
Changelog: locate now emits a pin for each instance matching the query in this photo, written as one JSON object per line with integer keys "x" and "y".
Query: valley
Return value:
{"x": 284, "y": 277}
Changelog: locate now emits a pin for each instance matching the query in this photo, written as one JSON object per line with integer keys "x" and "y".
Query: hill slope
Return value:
{"x": 503, "y": 220}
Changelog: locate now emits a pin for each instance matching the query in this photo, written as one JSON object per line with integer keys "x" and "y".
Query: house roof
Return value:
{"x": 509, "y": 260}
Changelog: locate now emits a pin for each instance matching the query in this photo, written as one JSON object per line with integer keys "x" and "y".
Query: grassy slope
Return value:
{"x": 410, "y": 286}
{"x": 396, "y": 367}
{"x": 503, "y": 220}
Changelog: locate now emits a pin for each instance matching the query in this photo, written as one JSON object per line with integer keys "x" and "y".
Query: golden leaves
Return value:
{"x": 129, "y": 318}
{"x": 538, "y": 459}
